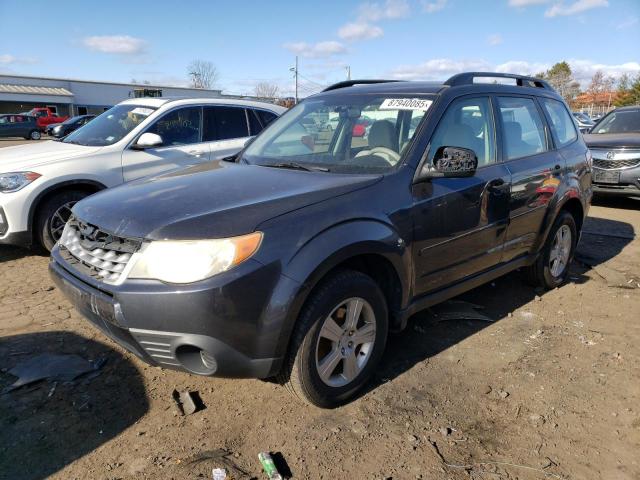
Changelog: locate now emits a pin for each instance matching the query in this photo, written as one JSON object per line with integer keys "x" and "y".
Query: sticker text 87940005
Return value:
{"x": 405, "y": 104}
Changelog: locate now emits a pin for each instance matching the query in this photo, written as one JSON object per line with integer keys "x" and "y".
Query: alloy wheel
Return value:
{"x": 345, "y": 342}
{"x": 560, "y": 251}
{"x": 59, "y": 220}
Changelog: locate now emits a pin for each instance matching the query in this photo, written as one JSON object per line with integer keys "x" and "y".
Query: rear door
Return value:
{"x": 226, "y": 130}
{"x": 460, "y": 223}
{"x": 181, "y": 132}
{"x": 536, "y": 169}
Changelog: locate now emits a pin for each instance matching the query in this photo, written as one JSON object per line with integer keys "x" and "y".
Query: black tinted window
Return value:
{"x": 254, "y": 122}
{"x": 221, "y": 123}
{"x": 179, "y": 127}
{"x": 266, "y": 117}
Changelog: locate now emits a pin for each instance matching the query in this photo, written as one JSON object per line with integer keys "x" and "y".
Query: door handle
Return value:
{"x": 557, "y": 168}
{"x": 196, "y": 153}
{"x": 498, "y": 186}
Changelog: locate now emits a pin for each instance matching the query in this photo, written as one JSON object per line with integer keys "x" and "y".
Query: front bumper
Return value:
{"x": 629, "y": 184}
{"x": 225, "y": 326}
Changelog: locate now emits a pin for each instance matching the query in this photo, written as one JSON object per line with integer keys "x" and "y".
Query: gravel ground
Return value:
{"x": 549, "y": 389}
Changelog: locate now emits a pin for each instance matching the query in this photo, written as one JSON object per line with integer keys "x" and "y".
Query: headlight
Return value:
{"x": 186, "y": 261}
{"x": 11, "y": 182}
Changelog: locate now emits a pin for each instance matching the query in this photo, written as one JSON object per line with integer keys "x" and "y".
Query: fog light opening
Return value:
{"x": 196, "y": 360}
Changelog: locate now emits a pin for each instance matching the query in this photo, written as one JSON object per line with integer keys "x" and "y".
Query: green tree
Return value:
{"x": 628, "y": 91}
{"x": 560, "y": 77}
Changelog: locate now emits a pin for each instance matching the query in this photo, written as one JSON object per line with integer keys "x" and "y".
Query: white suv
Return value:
{"x": 39, "y": 183}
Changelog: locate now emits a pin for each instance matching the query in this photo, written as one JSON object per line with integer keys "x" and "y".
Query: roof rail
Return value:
{"x": 351, "y": 83}
{"x": 521, "y": 80}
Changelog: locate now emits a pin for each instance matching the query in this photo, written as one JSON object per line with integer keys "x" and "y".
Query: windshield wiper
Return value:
{"x": 296, "y": 166}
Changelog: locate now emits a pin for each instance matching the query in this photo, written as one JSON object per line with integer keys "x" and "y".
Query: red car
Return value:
{"x": 45, "y": 116}
{"x": 360, "y": 128}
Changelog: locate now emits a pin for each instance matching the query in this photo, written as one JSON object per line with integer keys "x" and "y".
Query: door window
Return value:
{"x": 179, "y": 127}
{"x": 255, "y": 126}
{"x": 467, "y": 123}
{"x": 222, "y": 123}
{"x": 561, "y": 121}
{"x": 266, "y": 117}
{"x": 522, "y": 127}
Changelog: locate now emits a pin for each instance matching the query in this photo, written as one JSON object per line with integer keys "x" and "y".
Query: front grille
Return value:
{"x": 98, "y": 254}
{"x": 615, "y": 164}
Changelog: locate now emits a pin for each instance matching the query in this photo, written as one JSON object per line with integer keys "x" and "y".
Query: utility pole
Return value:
{"x": 295, "y": 75}
{"x": 348, "y": 67}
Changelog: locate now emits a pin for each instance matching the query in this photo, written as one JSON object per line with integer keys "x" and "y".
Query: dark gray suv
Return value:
{"x": 295, "y": 258}
{"x": 19, "y": 125}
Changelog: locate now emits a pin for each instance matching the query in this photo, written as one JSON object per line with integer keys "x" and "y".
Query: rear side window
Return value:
{"x": 561, "y": 121}
{"x": 255, "y": 127}
{"x": 222, "y": 123}
{"x": 266, "y": 117}
{"x": 467, "y": 123}
{"x": 522, "y": 127}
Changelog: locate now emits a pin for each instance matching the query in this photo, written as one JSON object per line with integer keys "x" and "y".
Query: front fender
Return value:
{"x": 328, "y": 249}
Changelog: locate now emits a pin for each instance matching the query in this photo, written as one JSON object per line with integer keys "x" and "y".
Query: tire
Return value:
{"x": 52, "y": 215}
{"x": 339, "y": 294}
{"x": 35, "y": 135}
{"x": 545, "y": 272}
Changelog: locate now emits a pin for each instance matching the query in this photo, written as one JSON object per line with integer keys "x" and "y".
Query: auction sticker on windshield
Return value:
{"x": 406, "y": 104}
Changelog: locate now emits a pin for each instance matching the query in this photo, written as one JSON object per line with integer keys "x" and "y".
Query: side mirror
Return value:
{"x": 147, "y": 140}
{"x": 451, "y": 162}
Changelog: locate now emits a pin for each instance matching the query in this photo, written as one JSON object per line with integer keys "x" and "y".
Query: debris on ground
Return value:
{"x": 188, "y": 402}
{"x": 221, "y": 456}
{"x": 64, "y": 368}
{"x": 459, "y": 310}
{"x": 614, "y": 278}
{"x": 269, "y": 467}
{"x": 219, "y": 474}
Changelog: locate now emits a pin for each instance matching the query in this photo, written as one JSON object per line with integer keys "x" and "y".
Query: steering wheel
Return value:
{"x": 391, "y": 156}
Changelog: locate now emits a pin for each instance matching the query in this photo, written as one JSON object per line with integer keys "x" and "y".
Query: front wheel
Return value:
{"x": 551, "y": 268}
{"x": 338, "y": 341}
{"x": 53, "y": 215}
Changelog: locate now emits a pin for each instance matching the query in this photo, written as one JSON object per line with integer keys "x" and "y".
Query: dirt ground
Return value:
{"x": 549, "y": 389}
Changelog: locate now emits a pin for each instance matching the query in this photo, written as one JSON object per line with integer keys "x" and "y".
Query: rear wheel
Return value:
{"x": 35, "y": 135}
{"x": 53, "y": 215}
{"x": 551, "y": 268}
{"x": 338, "y": 341}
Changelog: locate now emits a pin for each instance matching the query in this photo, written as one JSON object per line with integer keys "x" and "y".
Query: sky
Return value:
{"x": 257, "y": 41}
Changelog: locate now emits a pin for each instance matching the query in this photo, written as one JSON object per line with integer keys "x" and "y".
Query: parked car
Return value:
{"x": 615, "y": 146}
{"x": 584, "y": 122}
{"x": 14, "y": 125}
{"x": 45, "y": 117}
{"x": 63, "y": 129}
{"x": 40, "y": 183}
{"x": 297, "y": 264}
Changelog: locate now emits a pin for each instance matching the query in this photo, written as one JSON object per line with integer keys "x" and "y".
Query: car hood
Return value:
{"x": 612, "y": 140}
{"x": 27, "y": 157}
{"x": 210, "y": 200}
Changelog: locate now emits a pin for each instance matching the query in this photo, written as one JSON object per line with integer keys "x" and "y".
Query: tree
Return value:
{"x": 560, "y": 77}
{"x": 203, "y": 74}
{"x": 266, "y": 90}
{"x": 628, "y": 91}
{"x": 600, "y": 84}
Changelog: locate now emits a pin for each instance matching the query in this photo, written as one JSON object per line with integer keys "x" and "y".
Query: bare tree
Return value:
{"x": 266, "y": 90}
{"x": 599, "y": 85}
{"x": 203, "y": 74}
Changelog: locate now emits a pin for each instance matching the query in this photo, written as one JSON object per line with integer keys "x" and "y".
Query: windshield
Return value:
{"x": 72, "y": 120}
{"x": 583, "y": 117}
{"x": 624, "y": 121}
{"x": 344, "y": 134}
{"x": 111, "y": 126}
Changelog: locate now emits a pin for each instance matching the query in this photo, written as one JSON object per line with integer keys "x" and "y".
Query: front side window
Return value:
{"x": 624, "y": 121}
{"x": 110, "y": 127}
{"x": 179, "y": 127}
{"x": 467, "y": 123}
{"x": 561, "y": 122}
{"x": 341, "y": 133}
{"x": 522, "y": 127}
{"x": 223, "y": 123}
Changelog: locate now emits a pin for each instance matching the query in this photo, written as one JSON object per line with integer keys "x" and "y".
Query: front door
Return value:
{"x": 181, "y": 132}
{"x": 460, "y": 223}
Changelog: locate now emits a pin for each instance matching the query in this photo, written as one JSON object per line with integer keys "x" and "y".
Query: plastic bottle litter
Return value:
{"x": 268, "y": 466}
{"x": 219, "y": 474}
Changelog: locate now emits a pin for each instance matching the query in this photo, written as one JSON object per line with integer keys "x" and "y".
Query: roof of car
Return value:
{"x": 629, "y": 108}
{"x": 159, "y": 102}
